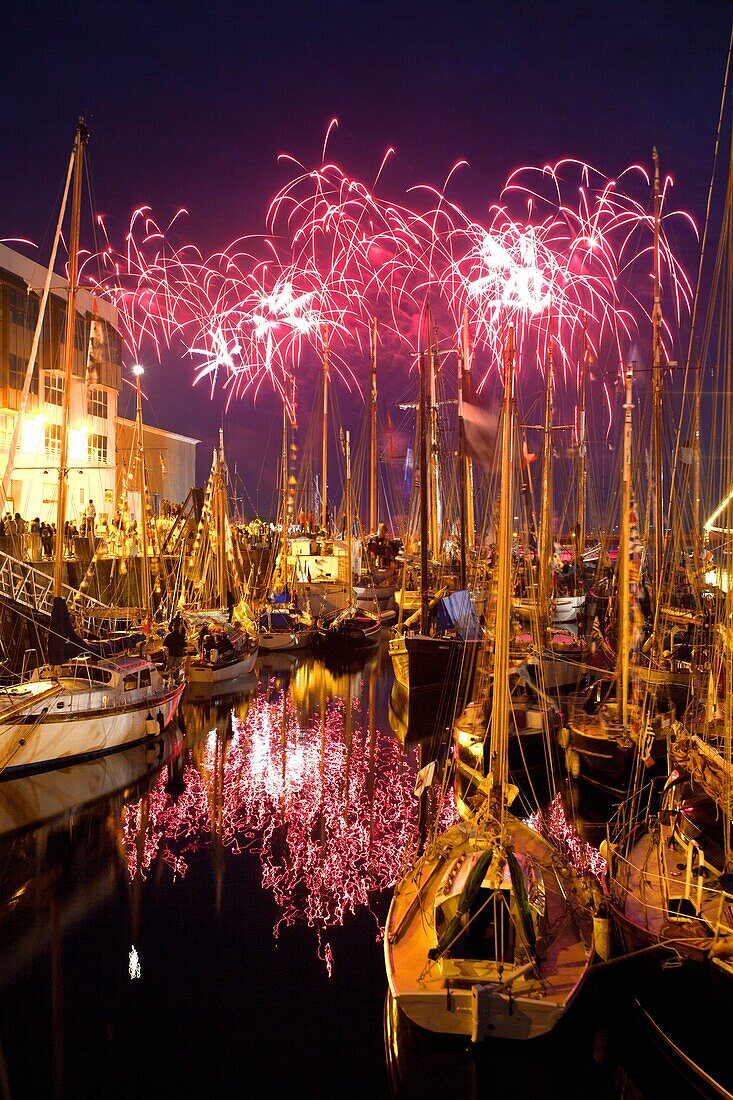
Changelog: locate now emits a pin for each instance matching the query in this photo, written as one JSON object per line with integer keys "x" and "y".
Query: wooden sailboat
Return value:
{"x": 283, "y": 625}
{"x": 219, "y": 621}
{"x": 437, "y": 646}
{"x": 90, "y": 699}
{"x": 485, "y": 935}
{"x": 377, "y": 584}
{"x": 670, "y": 858}
{"x": 352, "y": 628}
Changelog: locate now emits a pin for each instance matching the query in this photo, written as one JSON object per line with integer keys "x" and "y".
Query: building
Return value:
{"x": 97, "y": 435}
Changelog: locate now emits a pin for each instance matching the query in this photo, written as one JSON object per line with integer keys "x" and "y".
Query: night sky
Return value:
{"x": 190, "y": 104}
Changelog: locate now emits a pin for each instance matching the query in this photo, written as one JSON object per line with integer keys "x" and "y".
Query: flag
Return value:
{"x": 424, "y": 778}
{"x": 527, "y": 455}
{"x": 97, "y": 351}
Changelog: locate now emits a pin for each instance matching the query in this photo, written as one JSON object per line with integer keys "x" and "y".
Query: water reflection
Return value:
{"x": 300, "y": 774}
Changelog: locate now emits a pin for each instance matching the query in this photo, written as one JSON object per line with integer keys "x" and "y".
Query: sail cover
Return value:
{"x": 455, "y": 612}
{"x": 64, "y": 642}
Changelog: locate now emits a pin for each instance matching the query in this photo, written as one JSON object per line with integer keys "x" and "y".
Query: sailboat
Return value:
{"x": 219, "y": 621}
{"x": 284, "y": 626}
{"x": 443, "y": 656}
{"x": 486, "y": 934}
{"x": 91, "y": 698}
{"x": 670, "y": 869}
{"x": 351, "y": 628}
{"x": 377, "y": 584}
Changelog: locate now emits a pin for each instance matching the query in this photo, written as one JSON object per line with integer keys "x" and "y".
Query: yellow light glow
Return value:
{"x": 33, "y": 434}
{"x": 78, "y": 444}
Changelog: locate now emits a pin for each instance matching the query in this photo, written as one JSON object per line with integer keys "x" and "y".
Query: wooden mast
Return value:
{"x": 349, "y": 569}
{"x": 373, "y": 434}
{"x": 142, "y": 489}
{"x": 657, "y": 394}
{"x": 434, "y": 473}
{"x": 623, "y": 571}
{"x": 465, "y": 473}
{"x": 58, "y": 569}
{"x": 23, "y": 402}
{"x": 499, "y": 742}
{"x": 324, "y": 441}
{"x": 423, "y": 443}
{"x": 582, "y": 486}
{"x": 221, "y": 507}
{"x": 545, "y": 548}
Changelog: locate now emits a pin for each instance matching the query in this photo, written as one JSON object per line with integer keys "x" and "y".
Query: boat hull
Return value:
{"x": 205, "y": 673}
{"x": 34, "y": 740}
{"x": 479, "y": 997}
{"x": 421, "y": 663}
{"x": 285, "y": 641}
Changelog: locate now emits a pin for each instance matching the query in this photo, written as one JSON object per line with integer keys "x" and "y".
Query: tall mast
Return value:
{"x": 581, "y": 506}
{"x": 500, "y": 695}
{"x": 284, "y": 493}
{"x": 221, "y": 509}
{"x": 434, "y": 474}
{"x": 696, "y": 528}
{"x": 373, "y": 434}
{"x": 142, "y": 489}
{"x": 465, "y": 473}
{"x": 423, "y": 443}
{"x": 324, "y": 441}
{"x": 657, "y": 390}
{"x": 23, "y": 403}
{"x": 80, "y": 141}
{"x": 545, "y": 548}
{"x": 350, "y": 572}
{"x": 624, "y": 624}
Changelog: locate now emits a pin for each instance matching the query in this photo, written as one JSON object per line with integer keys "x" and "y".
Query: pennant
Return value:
{"x": 424, "y": 778}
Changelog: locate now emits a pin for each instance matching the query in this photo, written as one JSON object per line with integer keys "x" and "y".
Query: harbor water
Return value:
{"x": 202, "y": 916}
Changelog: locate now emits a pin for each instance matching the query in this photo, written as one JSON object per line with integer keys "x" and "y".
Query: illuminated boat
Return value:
{"x": 87, "y": 707}
{"x": 285, "y": 629}
{"x": 90, "y": 698}
{"x": 232, "y": 653}
{"x": 351, "y": 628}
{"x": 489, "y": 933}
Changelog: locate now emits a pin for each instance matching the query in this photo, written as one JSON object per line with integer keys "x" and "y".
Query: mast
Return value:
{"x": 434, "y": 504}
{"x": 284, "y": 494}
{"x": 500, "y": 697}
{"x": 221, "y": 508}
{"x": 350, "y": 571}
{"x": 545, "y": 547}
{"x": 23, "y": 403}
{"x": 142, "y": 489}
{"x": 465, "y": 472}
{"x": 58, "y": 569}
{"x": 696, "y": 528}
{"x": 657, "y": 391}
{"x": 324, "y": 441}
{"x": 373, "y": 434}
{"x": 623, "y": 573}
{"x": 582, "y": 485}
{"x": 423, "y": 443}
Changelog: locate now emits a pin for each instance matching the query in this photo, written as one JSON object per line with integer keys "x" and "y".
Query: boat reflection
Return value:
{"x": 60, "y": 843}
{"x": 300, "y": 775}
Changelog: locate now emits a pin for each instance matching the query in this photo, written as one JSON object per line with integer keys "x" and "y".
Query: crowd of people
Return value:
{"x": 34, "y": 540}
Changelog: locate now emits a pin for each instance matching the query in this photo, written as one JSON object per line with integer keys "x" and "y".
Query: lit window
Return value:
{"x": 53, "y": 389}
{"x": 52, "y": 439}
{"x": 97, "y": 450}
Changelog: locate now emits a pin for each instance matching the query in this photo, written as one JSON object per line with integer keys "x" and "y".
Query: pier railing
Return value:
{"x": 23, "y": 583}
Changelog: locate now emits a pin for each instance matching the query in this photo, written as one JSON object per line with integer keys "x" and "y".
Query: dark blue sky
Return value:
{"x": 189, "y": 105}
